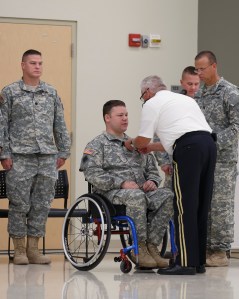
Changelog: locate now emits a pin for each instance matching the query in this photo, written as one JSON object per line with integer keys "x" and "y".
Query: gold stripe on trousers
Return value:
{"x": 178, "y": 194}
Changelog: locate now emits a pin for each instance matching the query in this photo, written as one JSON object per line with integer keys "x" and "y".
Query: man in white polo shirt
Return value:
{"x": 185, "y": 134}
{"x": 190, "y": 83}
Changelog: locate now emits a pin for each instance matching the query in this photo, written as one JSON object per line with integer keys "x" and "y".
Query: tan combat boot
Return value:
{"x": 217, "y": 259}
{"x": 154, "y": 252}
{"x": 33, "y": 254}
{"x": 20, "y": 257}
{"x": 145, "y": 260}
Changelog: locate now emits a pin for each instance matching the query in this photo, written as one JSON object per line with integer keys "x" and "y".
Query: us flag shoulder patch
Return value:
{"x": 88, "y": 151}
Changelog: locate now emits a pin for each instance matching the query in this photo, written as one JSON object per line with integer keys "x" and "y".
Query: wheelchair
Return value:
{"x": 87, "y": 229}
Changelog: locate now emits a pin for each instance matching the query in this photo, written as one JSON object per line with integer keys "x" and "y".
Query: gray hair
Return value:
{"x": 153, "y": 83}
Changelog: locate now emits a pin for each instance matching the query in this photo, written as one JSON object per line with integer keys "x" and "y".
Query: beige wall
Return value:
{"x": 106, "y": 67}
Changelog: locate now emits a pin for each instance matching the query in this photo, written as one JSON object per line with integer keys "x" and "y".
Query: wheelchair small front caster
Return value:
{"x": 125, "y": 266}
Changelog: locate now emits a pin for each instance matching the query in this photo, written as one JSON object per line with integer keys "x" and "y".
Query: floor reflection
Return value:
{"x": 141, "y": 285}
{"x": 26, "y": 281}
{"x": 61, "y": 281}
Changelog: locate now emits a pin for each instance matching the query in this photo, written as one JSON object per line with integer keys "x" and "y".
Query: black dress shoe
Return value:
{"x": 177, "y": 270}
{"x": 201, "y": 269}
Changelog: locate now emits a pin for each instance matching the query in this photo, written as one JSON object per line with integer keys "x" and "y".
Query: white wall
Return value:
{"x": 106, "y": 67}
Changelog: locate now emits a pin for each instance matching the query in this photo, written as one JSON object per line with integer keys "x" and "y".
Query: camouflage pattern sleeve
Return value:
{"x": 162, "y": 158}
{"x": 61, "y": 135}
{"x": 226, "y": 137}
{"x": 5, "y": 111}
{"x": 92, "y": 167}
{"x": 151, "y": 170}
{"x": 1, "y": 128}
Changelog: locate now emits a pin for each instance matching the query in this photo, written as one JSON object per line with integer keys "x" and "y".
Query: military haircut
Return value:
{"x": 111, "y": 104}
{"x": 30, "y": 52}
{"x": 209, "y": 54}
{"x": 189, "y": 70}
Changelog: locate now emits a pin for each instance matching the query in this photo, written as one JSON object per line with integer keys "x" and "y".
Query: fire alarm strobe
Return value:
{"x": 134, "y": 40}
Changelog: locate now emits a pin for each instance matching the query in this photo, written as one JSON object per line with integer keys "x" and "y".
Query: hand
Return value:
{"x": 6, "y": 163}
{"x": 149, "y": 186}
{"x": 167, "y": 169}
{"x": 129, "y": 185}
{"x": 144, "y": 150}
{"x": 60, "y": 162}
{"x": 152, "y": 147}
{"x": 128, "y": 145}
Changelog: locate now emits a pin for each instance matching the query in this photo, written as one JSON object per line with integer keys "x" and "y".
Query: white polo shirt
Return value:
{"x": 170, "y": 115}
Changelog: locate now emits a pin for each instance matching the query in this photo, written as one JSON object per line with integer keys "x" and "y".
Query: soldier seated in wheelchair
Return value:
{"x": 130, "y": 179}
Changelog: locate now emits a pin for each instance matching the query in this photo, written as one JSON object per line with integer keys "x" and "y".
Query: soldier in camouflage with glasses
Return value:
{"x": 219, "y": 101}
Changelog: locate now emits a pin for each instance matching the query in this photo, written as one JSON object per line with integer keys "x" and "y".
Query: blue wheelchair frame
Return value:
{"x": 95, "y": 215}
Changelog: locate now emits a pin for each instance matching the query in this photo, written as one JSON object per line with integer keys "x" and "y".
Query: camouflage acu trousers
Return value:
{"x": 150, "y": 211}
{"x": 221, "y": 214}
{"x": 168, "y": 181}
{"x": 30, "y": 190}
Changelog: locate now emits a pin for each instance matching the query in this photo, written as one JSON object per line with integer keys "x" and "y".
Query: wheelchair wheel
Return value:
{"x": 86, "y": 232}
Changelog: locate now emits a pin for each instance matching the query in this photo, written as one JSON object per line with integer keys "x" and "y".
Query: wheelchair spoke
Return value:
{"x": 86, "y": 238}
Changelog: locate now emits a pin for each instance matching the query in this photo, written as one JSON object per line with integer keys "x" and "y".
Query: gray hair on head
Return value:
{"x": 153, "y": 83}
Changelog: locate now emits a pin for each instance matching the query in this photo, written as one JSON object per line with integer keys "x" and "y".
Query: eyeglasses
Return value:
{"x": 142, "y": 95}
{"x": 202, "y": 69}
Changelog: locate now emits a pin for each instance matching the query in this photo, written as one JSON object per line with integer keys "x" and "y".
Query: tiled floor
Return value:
{"x": 61, "y": 281}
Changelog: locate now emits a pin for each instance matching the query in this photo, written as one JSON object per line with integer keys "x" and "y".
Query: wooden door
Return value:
{"x": 54, "y": 41}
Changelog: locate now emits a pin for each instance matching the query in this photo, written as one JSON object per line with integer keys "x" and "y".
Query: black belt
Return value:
{"x": 193, "y": 133}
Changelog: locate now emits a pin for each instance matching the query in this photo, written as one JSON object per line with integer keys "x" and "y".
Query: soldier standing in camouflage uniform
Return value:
{"x": 131, "y": 179}
{"x": 219, "y": 101}
{"x": 36, "y": 144}
{"x": 190, "y": 83}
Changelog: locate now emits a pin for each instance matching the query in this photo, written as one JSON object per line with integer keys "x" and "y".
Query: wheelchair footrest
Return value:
{"x": 117, "y": 259}
{"x": 122, "y": 257}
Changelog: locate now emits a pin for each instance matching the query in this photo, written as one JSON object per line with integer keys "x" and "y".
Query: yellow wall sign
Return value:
{"x": 154, "y": 40}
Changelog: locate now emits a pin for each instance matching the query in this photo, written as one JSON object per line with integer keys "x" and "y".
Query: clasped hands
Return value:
{"x": 147, "y": 186}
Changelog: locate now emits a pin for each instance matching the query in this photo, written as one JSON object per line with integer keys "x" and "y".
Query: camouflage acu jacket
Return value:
{"x": 34, "y": 121}
{"x": 1, "y": 129}
{"x": 220, "y": 105}
{"x": 106, "y": 164}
